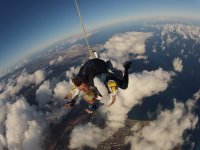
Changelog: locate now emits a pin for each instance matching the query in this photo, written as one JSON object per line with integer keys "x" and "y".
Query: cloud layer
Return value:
{"x": 166, "y": 132}
{"x": 186, "y": 31}
{"x": 20, "y": 124}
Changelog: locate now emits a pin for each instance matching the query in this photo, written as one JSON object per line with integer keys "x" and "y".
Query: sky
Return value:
{"x": 27, "y": 26}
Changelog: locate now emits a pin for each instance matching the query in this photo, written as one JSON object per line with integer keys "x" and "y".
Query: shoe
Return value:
{"x": 127, "y": 65}
{"x": 109, "y": 64}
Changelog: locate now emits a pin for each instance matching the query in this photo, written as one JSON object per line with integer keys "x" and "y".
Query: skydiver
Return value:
{"x": 94, "y": 74}
{"x": 90, "y": 95}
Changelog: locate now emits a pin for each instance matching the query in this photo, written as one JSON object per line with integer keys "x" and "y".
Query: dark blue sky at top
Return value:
{"x": 30, "y": 25}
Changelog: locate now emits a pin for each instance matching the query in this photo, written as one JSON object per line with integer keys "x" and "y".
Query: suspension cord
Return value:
{"x": 84, "y": 31}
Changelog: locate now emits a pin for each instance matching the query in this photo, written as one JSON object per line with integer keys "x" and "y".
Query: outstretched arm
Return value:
{"x": 102, "y": 89}
{"x": 70, "y": 104}
{"x": 113, "y": 100}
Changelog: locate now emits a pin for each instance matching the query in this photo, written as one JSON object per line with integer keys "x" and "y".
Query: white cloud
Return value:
{"x": 56, "y": 61}
{"x": 61, "y": 90}
{"x": 166, "y": 132}
{"x": 1, "y": 86}
{"x": 52, "y": 62}
{"x": 85, "y": 135}
{"x": 154, "y": 49}
{"x": 19, "y": 113}
{"x": 60, "y": 59}
{"x": 141, "y": 57}
{"x": 44, "y": 94}
{"x": 24, "y": 80}
{"x": 122, "y": 44}
{"x": 32, "y": 136}
{"x": 72, "y": 72}
{"x": 3, "y": 110}
{"x": 186, "y": 31}
{"x": 182, "y": 51}
{"x": 22, "y": 63}
{"x": 140, "y": 85}
{"x": 177, "y": 64}
{"x": 22, "y": 126}
{"x": 170, "y": 39}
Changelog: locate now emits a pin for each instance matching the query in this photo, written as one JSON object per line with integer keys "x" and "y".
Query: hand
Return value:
{"x": 68, "y": 105}
{"x": 110, "y": 105}
{"x": 88, "y": 111}
{"x": 68, "y": 96}
{"x": 113, "y": 100}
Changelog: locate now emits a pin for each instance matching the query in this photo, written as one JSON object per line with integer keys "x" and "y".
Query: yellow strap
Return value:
{"x": 113, "y": 89}
{"x": 73, "y": 87}
{"x": 112, "y": 85}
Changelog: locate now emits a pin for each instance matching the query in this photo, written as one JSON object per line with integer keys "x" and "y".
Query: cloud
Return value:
{"x": 60, "y": 59}
{"x": 15, "y": 113}
{"x": 72, "y": 72}
{"x": 154, "y": 81}
{"x": 3, "y": 141}
{"x": 186, "y": 31}
{"x": 44, "y": 94}
{"x": 23, "y": 80}
{"x": 52, "y": 62}
{"x": 22, "y": 63}
{"x": 123, "y": 44}
{"x": 56, "y": 61}
{"x": 21, "y": 125}
{"x": 26, "y": 79}
{"x": 154, "y": 49}
{"x": 61, "y": 90}
{"x": 89, "y": 133}
{"x": 1, "y": 86}
{"x": 182, "y": 51}
{"x": 32, "y": 136}
{"x": 170, "y": 39}
{"x": 23, "y": 128}
{"x": 166, "y": 132}
{"x": 141, "y": 57}
{"x": 177, "y": 64}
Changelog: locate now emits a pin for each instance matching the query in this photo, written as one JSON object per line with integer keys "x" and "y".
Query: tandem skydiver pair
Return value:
{"x": 97, "y": 81}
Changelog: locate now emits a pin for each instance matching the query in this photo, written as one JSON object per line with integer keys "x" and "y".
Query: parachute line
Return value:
{"x": 84, "y": 31}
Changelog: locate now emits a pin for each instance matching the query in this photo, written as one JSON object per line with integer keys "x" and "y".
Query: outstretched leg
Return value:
{"x": 124, "y": 83}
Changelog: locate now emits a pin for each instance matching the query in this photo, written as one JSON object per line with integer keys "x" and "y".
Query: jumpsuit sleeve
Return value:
{"x": 99, "y": 84}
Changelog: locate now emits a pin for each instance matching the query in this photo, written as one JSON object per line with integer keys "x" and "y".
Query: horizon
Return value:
{"x": 45, "y": 31}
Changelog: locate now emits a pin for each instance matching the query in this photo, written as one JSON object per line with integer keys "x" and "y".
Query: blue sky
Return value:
{"x": 30, "y": 25}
